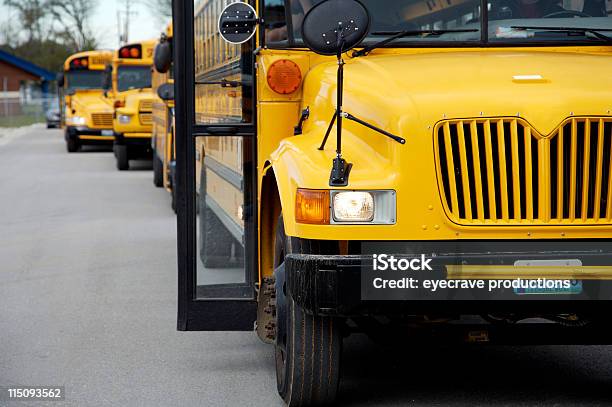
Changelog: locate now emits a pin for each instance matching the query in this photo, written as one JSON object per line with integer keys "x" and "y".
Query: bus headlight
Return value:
{"x": 77, "y": 120}
{"x": 374, "y": 207}
{"x": 124, "y": 119}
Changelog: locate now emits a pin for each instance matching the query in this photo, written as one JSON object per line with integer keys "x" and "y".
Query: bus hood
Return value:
{"x": 91, "y": 102}
{"x": 403, "y": 92}
{"x": 135, "y": 99}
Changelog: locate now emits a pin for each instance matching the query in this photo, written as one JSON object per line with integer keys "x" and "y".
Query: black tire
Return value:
{"x": 174, "y": 193}
{"x": 158, "y": 171}
{"x": 173, "y": 200}
{"x": 72, "y": 145}
{"x": 218, "y": 247}
{"x": 307, "y": 348}
{"x": 121, "y": 154}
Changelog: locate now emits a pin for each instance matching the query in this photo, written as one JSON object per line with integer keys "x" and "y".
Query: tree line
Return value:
{"x": 46, "y": 32}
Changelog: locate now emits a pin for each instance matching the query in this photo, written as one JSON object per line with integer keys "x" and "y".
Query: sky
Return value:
{"x": 143, "y": 25}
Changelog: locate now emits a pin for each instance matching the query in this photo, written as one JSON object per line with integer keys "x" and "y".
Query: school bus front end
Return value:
{"x": 448, "y": 178}
{"x": 87, "y": 112}
{"x": 133, "y": 102}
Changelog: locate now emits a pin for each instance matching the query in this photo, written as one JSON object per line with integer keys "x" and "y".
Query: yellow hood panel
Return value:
{"x": 91, "y": 102}
{"x": 542, "y": 87}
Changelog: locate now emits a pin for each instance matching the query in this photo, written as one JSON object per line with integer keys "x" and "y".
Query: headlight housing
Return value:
{"x": 77, "y": 120}
{"x": 363, "y": 207}
{"x": 124, "y": 118}
{"x": 325, "y": 207}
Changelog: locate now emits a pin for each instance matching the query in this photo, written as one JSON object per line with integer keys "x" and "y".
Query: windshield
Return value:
{"x": 283, "y": 20}
{"x": 133, "y": 77}
{"x": 84, "y": 80}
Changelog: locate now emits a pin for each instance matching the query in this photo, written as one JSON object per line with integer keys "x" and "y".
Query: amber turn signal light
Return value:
{"x": 312, "y": 206}
{"x": 284, "y": 76}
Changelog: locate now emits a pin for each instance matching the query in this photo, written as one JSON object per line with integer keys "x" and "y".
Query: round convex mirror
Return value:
{"x": 335, "y": 26}
{"x": 162, "y": 58}
{"x": 238, "y": 22}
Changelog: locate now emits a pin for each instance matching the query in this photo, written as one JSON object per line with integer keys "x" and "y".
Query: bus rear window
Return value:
{"x": 84, "y": 80}
{"x": 133, "y": 77}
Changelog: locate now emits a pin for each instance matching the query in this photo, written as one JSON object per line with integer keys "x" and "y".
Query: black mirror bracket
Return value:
{"x": 297, "y": 130}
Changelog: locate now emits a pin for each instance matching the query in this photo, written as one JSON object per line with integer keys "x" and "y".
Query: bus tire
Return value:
{"x": 72, "y": 146}
{"x": 173, "y": 192}
{"x": 307, "y": 348}
{"x": 173, "y": 200}
{"x": 72, "y": 142}
{"x": 121, "y": 152}
{"x": 158, "y": 171}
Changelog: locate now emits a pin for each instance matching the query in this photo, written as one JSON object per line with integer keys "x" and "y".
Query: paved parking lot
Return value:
{"x": 88, "y": 301}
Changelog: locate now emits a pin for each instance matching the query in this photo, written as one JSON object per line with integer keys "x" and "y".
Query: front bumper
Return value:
{"x": 87, "y": 135}
{"x": 334, "y": 284}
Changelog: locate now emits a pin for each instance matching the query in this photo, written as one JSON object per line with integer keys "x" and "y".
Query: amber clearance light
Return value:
{"x": 312, "y": 206}
{"x": 284, "y": 77}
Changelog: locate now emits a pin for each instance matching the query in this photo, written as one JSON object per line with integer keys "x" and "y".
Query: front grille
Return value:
{"x": 104, "y": 120}
{"x": 146, "y": 118}
{"x": 502, "y": 171}
{"x": 145, "y": 105}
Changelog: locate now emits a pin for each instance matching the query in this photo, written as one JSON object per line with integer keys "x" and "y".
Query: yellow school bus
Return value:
{"x": 163, "y": 115}
{"x": 87, "y": 115}
{"x": 133, "y": 102}
{"x": 416, "y": 171}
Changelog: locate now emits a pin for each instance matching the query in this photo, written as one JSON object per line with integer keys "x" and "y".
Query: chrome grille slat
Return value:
{"x": 502, "y": 171}
{"x": 104, "y": 120}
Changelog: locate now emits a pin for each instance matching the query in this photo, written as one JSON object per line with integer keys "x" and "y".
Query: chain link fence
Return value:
{"x": 17, "y": 112}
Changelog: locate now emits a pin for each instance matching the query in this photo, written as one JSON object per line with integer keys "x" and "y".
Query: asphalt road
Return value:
{"x": 88, "y": 301}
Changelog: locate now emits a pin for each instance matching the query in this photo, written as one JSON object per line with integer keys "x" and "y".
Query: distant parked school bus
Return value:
{"x": 87, "y": 115}
{"x": 163, "y": 115}
{"x": 132, "y": 100}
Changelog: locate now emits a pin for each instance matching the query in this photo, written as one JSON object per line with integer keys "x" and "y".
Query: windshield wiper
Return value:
{"x": 594, "y": 31}
{"x": 394, "y": 35}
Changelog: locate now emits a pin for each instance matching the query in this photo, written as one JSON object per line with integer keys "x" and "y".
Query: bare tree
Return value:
{"x": 73, "y": 18}
{"x": 31, "y": 14}
{"x": 160, "y": 9}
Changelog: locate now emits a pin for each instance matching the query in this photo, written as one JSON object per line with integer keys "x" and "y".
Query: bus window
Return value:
{"x": 220, "y": 79}
{"x": 387, "y": 15}
{"x": 84, "y": 80}
{"x": 133, "y": 77}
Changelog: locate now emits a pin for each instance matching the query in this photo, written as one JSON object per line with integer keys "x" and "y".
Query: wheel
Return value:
{"x": 72, "y": 145}
{"x": 173, "y": 191}
{"x": 158, "y": 171}
{"x": 121, "y": 153}
{"x": 307, "y": 348}
{"x": 218, "y": 247}
{"x": 173, "y": 200}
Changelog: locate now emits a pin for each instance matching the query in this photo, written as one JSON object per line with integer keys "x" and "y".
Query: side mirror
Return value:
{"x": 162, "y": 59}
{"x": 166, "y": 92}
{"x": 107, "y": 81}
{"x": 60, "y": 79}
{"x": 237, "y": 23}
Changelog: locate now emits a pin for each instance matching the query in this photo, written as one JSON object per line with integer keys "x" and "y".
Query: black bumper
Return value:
{"x": 74, "y": 133}
{"x": 332, "y": 285}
